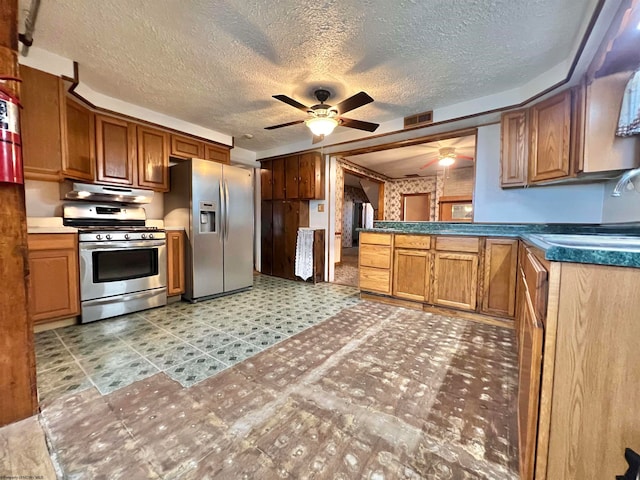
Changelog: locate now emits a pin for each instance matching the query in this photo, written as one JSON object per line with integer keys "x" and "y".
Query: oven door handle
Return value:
{"x": 120, "y": 245}
{"x": 125, "y": 298}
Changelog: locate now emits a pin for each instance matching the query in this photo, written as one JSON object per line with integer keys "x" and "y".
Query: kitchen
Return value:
{"x": 532, "y": 205}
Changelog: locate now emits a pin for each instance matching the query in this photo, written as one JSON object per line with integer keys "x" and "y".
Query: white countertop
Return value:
{"x": 48, "y": 225}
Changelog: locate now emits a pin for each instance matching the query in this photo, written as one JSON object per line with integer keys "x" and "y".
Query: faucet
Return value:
{"x": 624, "y": 180}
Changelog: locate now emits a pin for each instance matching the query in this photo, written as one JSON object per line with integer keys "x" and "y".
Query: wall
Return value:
{"x": 625, "y": 208}
{"x": 394, "y": 189}
{"x": 458, "y": 182}
{"x": 558, "y": 204}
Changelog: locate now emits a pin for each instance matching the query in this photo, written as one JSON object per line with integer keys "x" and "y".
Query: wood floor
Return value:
{"x": 376, "y": 392}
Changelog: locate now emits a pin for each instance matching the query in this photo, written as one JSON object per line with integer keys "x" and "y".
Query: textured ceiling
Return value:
{"x": 400, "y": 162}
{"x": 217, "y": 63}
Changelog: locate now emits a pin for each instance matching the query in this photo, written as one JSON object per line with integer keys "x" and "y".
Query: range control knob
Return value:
{"x": 126, "y": 236}
{"x": 144, "y": 236}
{"x": 98, "y": 237}
{"x": 151, "y": 235}
{"x": 108, "y": 236}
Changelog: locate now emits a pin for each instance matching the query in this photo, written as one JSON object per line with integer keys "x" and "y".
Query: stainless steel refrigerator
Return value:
{"x": 214, "y": 204}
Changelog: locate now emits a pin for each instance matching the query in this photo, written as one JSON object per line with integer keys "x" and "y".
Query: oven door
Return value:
{"x": 118, "y": 268}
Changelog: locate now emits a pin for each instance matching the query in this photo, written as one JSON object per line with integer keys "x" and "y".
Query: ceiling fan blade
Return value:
{"x": 428, "y": 164}
{"x": 284, "y": 125}
{"x": 359, "y": 124}
{"x": 317, "y": 139}
{"x": 353, "y": 102}
{"x": 292, "y": 102}
{"x": 464, "y": 157}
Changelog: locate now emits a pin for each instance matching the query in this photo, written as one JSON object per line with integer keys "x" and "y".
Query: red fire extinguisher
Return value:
{"x": 10, "y": 141}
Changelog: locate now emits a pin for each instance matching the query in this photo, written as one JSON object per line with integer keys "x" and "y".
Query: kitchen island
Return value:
{"x": 570, "y": 292}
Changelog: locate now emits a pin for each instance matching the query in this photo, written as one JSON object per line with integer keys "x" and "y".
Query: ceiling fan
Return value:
{"x": 446, "y": 157}
{"x": 323, "y": 118}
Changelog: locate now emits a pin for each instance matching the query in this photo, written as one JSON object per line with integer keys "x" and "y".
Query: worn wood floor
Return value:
{"x": 374, "y": 392}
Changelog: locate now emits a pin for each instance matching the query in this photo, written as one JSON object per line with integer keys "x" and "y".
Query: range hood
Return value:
{"x": 104, "y": 193}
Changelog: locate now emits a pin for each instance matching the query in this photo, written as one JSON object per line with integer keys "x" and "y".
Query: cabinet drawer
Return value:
{"x": 413, "y": 241}
{"x": 375, "y": 279}
{"x": 375, "y": 238}
{"x": 375, "y": 256}
{"x": 458, "y": 244}
{"x": 535, "y": 279}
{"x": 52, "y": 241}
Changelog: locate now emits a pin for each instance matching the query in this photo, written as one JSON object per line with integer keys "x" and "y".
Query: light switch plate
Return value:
{"x": 321, "y": 207}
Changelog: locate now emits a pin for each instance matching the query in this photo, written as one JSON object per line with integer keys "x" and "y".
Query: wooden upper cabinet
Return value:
{"x": 550, "y": 138}
{"x": 80, "y": 162}
{"x": 217, "y": 153}
{"x": 115, "y": 150}
{"x": 311, "y": 175}
{"x": 278, "y": 178}
{"x": 53, "y": 276}
{"x": 185, "y": 147}
{"x": 42, "y": 120}
{"x": 175, "y": 263}
{"x": 500, "y": 268}
{"x": 266, "y": 180}
{"x": 153, "y": 159}
{"x": 292, "y": 176}
{"x": 514, "y": 149}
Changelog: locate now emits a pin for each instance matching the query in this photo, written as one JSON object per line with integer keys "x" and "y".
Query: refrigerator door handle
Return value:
{"x": 221, "y": 214}
{"x": 226, "y": 210}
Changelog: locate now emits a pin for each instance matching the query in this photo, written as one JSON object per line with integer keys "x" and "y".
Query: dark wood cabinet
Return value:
{"x": 185, "y": 147}
{"x": 287, "y": 217}
{"x": 153, "y": 159}
{"x": 42, "y": 122}
{"x": 80, "y": 162}
{"x": 115, "y": 150}
{"x": 311, "y": 176}
{"x": 550, "y": 138}
{"x": 266, "y": 180}
{"x": 292, "y": 177}
{"x": 278, "y": 178}
{"x": 514, "y": 148}
{"x": 266, "y": 238}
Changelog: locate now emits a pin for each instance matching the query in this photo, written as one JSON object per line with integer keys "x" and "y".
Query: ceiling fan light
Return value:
{"x": 321, "y": 125}
{"x": 446, "y": 161}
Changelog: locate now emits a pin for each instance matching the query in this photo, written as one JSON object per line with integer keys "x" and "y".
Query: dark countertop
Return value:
{"x": 613, "y": 244}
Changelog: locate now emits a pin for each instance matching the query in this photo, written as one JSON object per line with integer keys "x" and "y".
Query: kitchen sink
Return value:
{"x": 591, "y": 242}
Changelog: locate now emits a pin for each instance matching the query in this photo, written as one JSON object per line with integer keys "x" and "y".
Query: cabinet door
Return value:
{"x": 411, "y": 270}
{"x": 115, "y": 150}
{"x": 53, "y": 276}
{"x": 291, "y": 224}
{"x": 514, "y": 149}
{"x": 81, "y": 143}
{"x": 277, "y": 172}
{"x": 175, "y": 263}
{"x": 455, "y": 280}
{"x": 185, "y": 147}
{"x": 310, "y": 174}
{"x": 292, "y": 177}
{"x": 530, "y": 368}
{"x": 500, "y": 266}
{"x": 266, "y": 238}
{"x": 217, "y": 153}
{"x": 550, "y": 147}
{"x": 279, "y": 263}
{"x": 42, "y": 123}
{"x": 266, "y": 180}
{"x": 153, "y": 159}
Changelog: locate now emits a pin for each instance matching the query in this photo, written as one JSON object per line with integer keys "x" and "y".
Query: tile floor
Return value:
{"x": 187, "y": 342}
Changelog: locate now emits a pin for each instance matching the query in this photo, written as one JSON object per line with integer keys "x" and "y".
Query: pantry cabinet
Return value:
{"x": 42, "y": 120}
{"x": 288, "y": 216}
{"x": 311, "y": 176}
{"x": 153, "y": 159}
{"x": 278, "y": 178}
{"x": 115, "y": 150}
{"x": 175, "y": 263}
{"x": 266, "y": 181}
{"x": 53, "y": 276}
{"x": 291, "y": 176}
{"x": 80, "y": 162}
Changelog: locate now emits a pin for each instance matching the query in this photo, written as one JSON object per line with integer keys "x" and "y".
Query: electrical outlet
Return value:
{"x": 321, "y": 207}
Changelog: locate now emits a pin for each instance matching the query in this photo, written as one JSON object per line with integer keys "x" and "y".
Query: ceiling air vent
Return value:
{"x": 419, "y": 119}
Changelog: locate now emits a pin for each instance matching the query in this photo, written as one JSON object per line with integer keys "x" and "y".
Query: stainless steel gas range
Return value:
{"x": 123, "y": 263}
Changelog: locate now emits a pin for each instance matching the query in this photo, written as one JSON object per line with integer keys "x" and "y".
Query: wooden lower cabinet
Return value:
{"x": 175, "y": 263}
{"x": 455, "y": 280}
{"x": 500, "y": 265}
{"x": 53, "y": 276}
{"x": 411, "y": 272}
{"x": 375, "y": 262}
